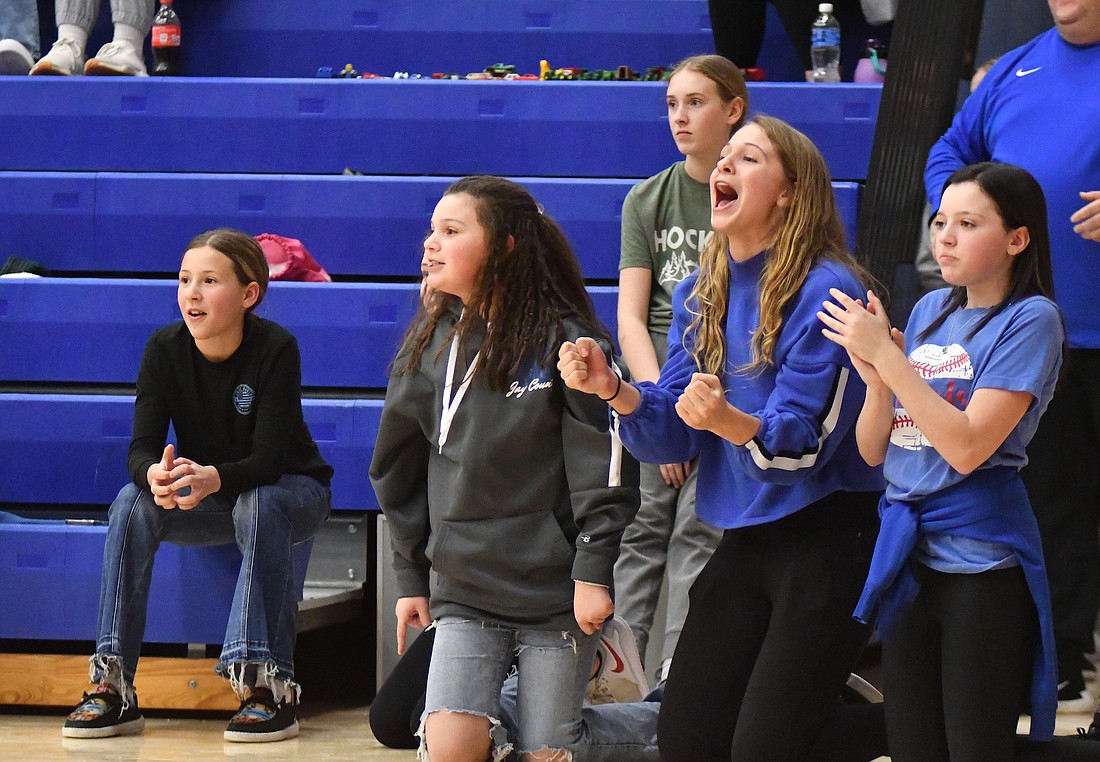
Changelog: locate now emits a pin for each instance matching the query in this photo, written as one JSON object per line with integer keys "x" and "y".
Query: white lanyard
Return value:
{"x": 450, "y": 404}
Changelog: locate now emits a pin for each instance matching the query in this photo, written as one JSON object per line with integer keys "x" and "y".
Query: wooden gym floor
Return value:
{"x": 328, "y": 734}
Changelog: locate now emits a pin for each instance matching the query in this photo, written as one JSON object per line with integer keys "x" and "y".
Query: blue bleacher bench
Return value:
{"x": 91, "y": 330}
{"x": 51, "y": 575}
{"x": 70, "y": 449}
{"x": 402, "y": 127}
{"x": 355, "y": 226}
{"x": 247, "y": 38}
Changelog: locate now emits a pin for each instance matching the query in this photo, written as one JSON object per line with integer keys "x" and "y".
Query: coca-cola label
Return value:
{"x": 166, "y": 36}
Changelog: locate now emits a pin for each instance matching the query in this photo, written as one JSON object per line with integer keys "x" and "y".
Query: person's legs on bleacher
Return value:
{"x": 132, "y": 21}
{"x": 19, "y": 41}
{"x": 258, "y": 653}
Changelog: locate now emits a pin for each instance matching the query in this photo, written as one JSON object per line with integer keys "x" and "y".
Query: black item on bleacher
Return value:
{"x": 17, "y": 264}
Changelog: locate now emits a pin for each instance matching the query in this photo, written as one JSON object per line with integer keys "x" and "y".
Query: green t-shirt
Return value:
{"x": 666, "y": 223}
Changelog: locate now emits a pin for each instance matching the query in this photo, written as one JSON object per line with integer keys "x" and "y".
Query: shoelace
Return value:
{"x": 112, "y": 48}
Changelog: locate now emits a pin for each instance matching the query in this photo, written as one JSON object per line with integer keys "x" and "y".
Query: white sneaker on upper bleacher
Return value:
{"x": 117, "y": 59}
{"x": 65, "y": 57}
{"x": 15, "y": 59}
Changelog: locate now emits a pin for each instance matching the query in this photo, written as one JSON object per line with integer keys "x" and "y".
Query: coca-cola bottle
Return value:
{"x": 166, "y": 41}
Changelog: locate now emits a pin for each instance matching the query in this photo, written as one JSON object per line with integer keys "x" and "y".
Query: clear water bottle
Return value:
{"x": 825, "y": 45}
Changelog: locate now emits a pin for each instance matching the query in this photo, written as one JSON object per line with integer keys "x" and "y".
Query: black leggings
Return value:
{"x": 395, "y": 713}
{"x": 957, "y": 670}
{"x": 738, "y": 28}
{"x": 770, "y": 640}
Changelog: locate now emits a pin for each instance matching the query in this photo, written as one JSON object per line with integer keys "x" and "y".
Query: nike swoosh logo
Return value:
{"x": 619, "y": 665}
{"x": 1025, "y": 72}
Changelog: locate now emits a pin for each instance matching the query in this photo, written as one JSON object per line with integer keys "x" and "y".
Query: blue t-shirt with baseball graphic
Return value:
{"x": 1018, "y": 350}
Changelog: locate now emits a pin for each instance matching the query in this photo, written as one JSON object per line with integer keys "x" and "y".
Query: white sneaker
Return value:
{"x": 117, "y": 59}
{"x": 15, "y": 59}
{"x": 65, "y": 58}
{"x": 619, "y": 674}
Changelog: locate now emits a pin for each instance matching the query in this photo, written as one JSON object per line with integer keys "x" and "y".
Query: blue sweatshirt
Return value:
{"x": 1039, "y": 108}
{"x": 807, "y": 402}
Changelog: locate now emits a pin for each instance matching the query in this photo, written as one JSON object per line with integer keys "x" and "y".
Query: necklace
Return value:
{"x": 960, "y": 326}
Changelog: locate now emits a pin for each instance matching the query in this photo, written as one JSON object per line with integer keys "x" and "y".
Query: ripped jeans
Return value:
{"x": 541, "y": 707}
{"x": 264, "y": 522}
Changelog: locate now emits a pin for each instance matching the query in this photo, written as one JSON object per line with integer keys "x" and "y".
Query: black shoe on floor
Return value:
{"x": 1074, "y": 696}
{"x": 261, "y": 719}
{"x": 1093, "y": 733}
{"x": 100, "y": 714}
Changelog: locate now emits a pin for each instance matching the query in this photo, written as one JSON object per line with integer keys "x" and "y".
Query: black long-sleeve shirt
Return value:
{"x": 242, "y": 415}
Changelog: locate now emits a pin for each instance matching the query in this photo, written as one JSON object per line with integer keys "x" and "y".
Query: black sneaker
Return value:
{"x": 260, "y": 720}
{"x": 1074, "y": 697}
{"x": 1093, "y": 733}
{"x": 100, "y": 714}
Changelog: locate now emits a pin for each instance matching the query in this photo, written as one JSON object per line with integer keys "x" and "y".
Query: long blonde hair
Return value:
{"x": 809, "y": 229}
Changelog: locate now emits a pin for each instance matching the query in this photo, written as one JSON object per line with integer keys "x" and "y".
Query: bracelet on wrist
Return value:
{"x": 618, "y": 388}
{"x": 591, "y": 584}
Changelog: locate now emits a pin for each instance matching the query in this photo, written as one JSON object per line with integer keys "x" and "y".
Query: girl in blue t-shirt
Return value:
{"x": 958, "y": 571}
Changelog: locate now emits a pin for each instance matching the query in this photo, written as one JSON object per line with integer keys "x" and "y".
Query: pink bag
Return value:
{"x": 287, "y": 259}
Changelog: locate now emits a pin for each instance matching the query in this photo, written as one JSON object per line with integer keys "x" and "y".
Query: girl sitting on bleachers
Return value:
{"x": 247, "y": 471}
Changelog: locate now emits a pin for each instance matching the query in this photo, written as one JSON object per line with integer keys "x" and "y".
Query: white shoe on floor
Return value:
{"x": 15, "y": 59}
{"x": 65, "y": 58}
{"x": 117, "y": 59}
{"x": 619, "y": 674}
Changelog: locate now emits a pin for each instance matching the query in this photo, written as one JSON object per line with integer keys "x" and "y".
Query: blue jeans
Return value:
{"x": 541, "y": 707}
{"x": 19, "y": 21}
{"x": 264, "y": 522}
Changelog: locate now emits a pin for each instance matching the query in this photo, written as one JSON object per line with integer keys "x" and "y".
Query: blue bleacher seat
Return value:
{"x": 405, "y": 127}
{"x": 57, "y": 567}
{"x": 355, "y": 226}
{"x": 249, "y": 38}
{"x": 70, "y": 449}
{"x": 88, "y": 330}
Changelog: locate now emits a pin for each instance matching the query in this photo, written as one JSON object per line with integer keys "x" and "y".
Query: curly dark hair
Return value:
{"x": 530, "y": 282}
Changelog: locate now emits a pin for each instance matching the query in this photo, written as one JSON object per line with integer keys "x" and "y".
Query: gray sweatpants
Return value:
{"x": 83, "y": 13}
{"x": 665, "y": 536}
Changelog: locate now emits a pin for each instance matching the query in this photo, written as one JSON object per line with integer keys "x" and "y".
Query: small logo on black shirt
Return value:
{"x": 243, "y": 397}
